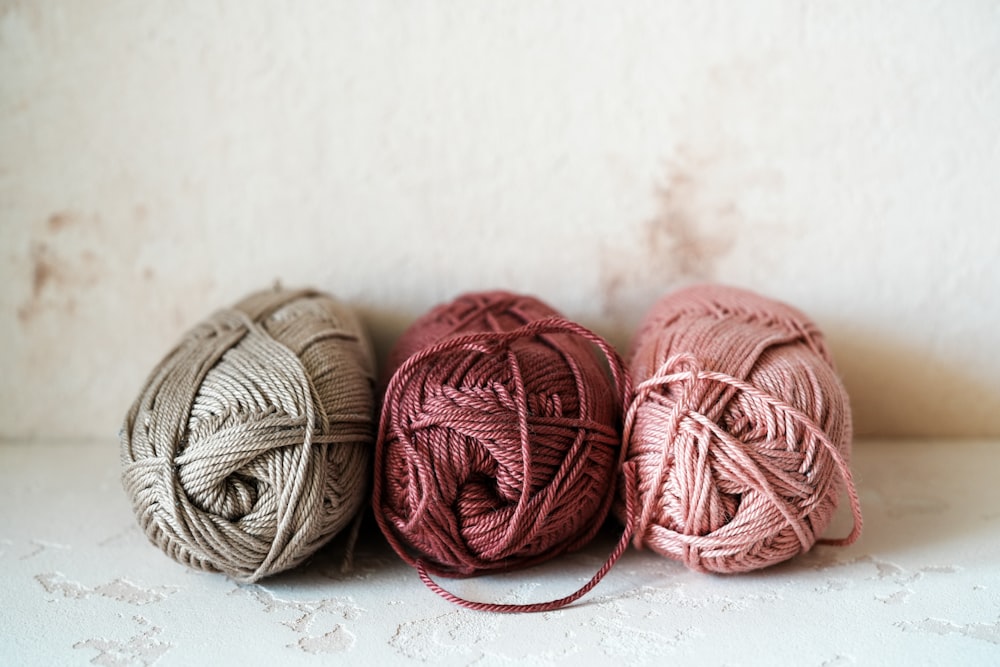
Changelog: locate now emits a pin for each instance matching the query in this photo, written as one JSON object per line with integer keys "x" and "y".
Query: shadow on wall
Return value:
{"x": 904, "y": 391}
{"x": 384, "y": 326}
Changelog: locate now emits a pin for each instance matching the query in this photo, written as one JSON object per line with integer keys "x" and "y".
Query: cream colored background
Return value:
{"x": 160, "y": 159}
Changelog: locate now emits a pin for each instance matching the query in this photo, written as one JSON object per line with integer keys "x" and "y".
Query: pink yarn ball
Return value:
{"x": 739, "y": 436}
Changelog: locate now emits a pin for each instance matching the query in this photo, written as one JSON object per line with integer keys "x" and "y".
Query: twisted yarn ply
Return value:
{"x": 739, "y": 435}
{"x": 249, "y": 446}
{"x": 499, "y": 440}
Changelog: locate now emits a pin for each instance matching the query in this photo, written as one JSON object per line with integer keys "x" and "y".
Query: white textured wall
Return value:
{"x": 160, "y": 159}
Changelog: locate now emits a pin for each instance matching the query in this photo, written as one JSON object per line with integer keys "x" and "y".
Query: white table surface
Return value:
{"x": 80, "y": 584}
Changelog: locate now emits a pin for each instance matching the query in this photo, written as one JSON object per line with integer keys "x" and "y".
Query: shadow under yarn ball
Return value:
{"x": 739, "y": 434}
{"x": 499, "y": 439}
{"x": 249, "y": 446}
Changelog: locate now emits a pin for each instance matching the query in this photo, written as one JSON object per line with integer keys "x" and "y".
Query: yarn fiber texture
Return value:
{"x": 739, "y": 434}
{"x": 249, "y": 447}
{"x": 499, "y": 439}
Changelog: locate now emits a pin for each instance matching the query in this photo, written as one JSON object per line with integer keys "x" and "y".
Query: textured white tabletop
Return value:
{"x": 81, "y": 585}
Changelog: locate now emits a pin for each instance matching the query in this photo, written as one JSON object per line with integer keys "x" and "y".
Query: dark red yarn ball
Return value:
{"x": 499, "y": 439}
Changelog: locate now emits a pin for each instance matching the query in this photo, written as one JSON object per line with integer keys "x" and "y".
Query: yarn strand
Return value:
{"x": 551, "y": 605}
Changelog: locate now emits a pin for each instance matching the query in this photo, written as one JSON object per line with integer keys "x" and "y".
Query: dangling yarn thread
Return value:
{"x": 739, "y": 434}
{"x": 250, "y": 445}
{"x": 499, "y": 441}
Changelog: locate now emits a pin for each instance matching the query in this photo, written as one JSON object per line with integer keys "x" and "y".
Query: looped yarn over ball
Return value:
{"x": 740, "y": 431}
{"x": 499, "y": 441}
{"x": 249, "y": 447}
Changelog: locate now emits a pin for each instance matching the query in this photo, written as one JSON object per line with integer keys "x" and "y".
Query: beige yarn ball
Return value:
{"x": 249, "y": 446}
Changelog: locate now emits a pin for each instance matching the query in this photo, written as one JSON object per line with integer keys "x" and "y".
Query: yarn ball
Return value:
{"x": 249, "y": 447}
{"x": 739, "y": 435}
{"x": 499, "y": 438}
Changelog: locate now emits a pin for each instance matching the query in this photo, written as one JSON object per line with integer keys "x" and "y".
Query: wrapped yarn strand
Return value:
{"x": 499, "y": 441}
{"x": 250, "y": 445}
{"x": 739, "y": 432}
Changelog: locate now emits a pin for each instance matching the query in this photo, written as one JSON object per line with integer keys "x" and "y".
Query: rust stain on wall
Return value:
{"x": 60, "y": 267}
{"x": 60, "y": 221}
{"x": 674, "y": 238}
{"x": 683, "y": 241}
{"x": 42, "y": 269}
